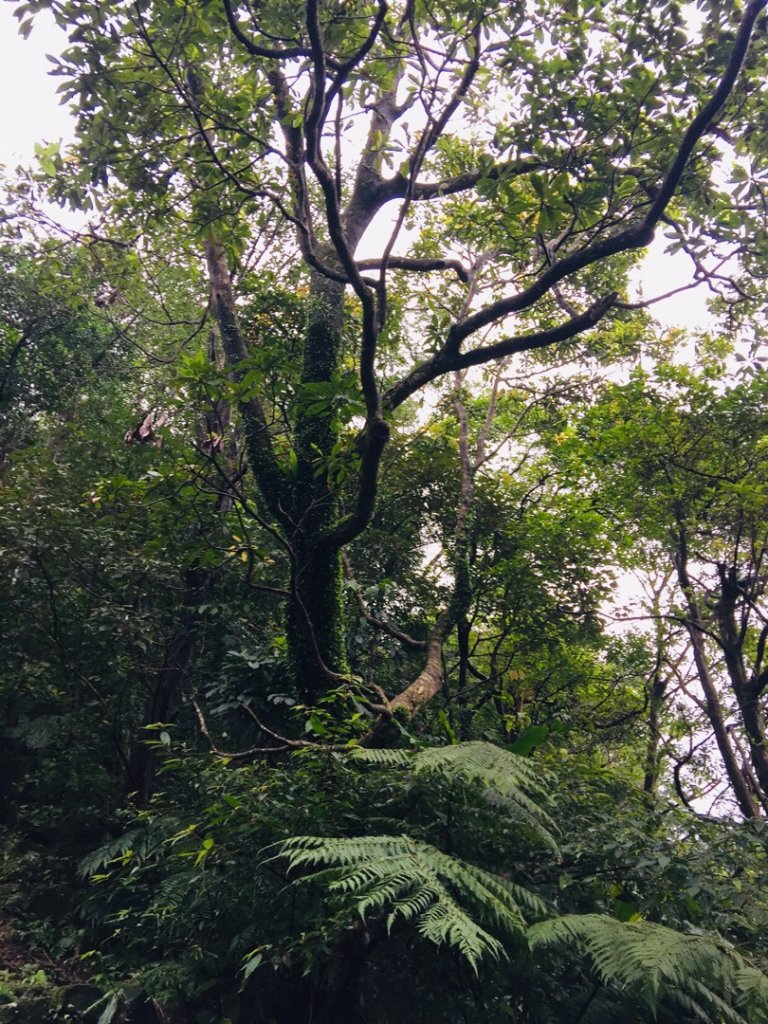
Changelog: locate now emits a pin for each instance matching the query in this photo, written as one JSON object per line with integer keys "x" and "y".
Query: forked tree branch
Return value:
{"x": 445, "y": 361}
{"x": 636, "y": 236}
{"x": 255, "y": 49}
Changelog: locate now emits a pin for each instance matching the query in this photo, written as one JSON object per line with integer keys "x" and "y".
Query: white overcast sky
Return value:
{"x": 30, "y": 112}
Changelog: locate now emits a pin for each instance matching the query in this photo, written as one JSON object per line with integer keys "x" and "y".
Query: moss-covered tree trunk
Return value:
{"x": 302, "y": 502}
{"x": 315, "y": 621}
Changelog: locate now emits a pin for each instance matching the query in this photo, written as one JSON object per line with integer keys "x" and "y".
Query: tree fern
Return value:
{"x": 411, "y": 881}
{"x": 703, "y": 975}
{"x": 487, "y": 772}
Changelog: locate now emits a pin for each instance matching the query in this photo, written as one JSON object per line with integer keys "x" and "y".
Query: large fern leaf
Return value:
{"x": 701, "y": 974}
{"x": 752, "y": 986}
{"x": 487, "y": 772}
{"x": 449, "y": 901}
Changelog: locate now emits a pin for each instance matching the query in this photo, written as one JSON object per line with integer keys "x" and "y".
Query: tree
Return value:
{"x": 691, "y": 499}
{"x": 52, "y": 343}
{"x": 327, "y": 530}
{"x": 244, "y": 123}
{"x": 529, "y": 846}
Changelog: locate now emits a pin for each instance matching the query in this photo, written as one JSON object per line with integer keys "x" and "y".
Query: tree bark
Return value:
{"x": 163, "y": 701}
{"x": 316, "y": 635}
{"x": 180, "y": 649}
{"x": 652, "y": 753}
{"x": 745, "y": 689}
{"x": 696, "y": 631}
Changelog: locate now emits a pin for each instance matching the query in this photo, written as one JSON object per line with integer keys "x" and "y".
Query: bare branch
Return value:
{"x": 395, "y": 188}
{"x": 380, "y": 624}
{"x": 417, "y": 265}
{"x": 291, "y": 743}
{"x": 231, "y": 755}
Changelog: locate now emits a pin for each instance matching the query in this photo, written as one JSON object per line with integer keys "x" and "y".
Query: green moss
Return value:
{"x": 320, "y": 599}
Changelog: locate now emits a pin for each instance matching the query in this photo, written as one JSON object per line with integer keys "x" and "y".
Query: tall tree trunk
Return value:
{"x": 652, "y": 751}
{"x": 696, "y": 631}
{"x": 656, "y": 693}
{"x": 180, "y": 649}
{"x": 745, "y": 689}
{"x": 170, "y": 679}
{"x": 303, "y": 503}
{"x": 315, "y": 621}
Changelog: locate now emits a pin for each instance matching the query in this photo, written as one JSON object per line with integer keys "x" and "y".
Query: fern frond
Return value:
{"x": 135, "y": 839}
{"x": 695, "y": 1010}
{"x": 383, "y": 758}
{"x": 753, "y": 992}
{"x": 447, "y": 899}
{"x": 485, "y": 763}
{"x": 706, "y": 999}
{"x": 446, "y": 923}
{"x": 494, "y": 895}
{"x": 172, "y": 892}
{"x": 699, "y": 973}
{"x": 489, "y": 772}
{"x": 304, "y": 851}
{"x": 413, "y": 906}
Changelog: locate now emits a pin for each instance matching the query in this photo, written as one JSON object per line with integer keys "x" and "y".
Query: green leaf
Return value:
{"x": 529, "y": 739}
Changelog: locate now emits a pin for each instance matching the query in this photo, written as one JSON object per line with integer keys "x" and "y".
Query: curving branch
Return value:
{"x": 375, "y": 439}
{"x": 255, "y": 49}
{"x": 385, "y": 627}
{"x": 231, "y": 755}
{"x": 418, "y": 265}
{"x": 445, "y": 361}
{"x": 704, "y": 119}
{"x": 638, "y": 235}
{"x": 395, "y": 188}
